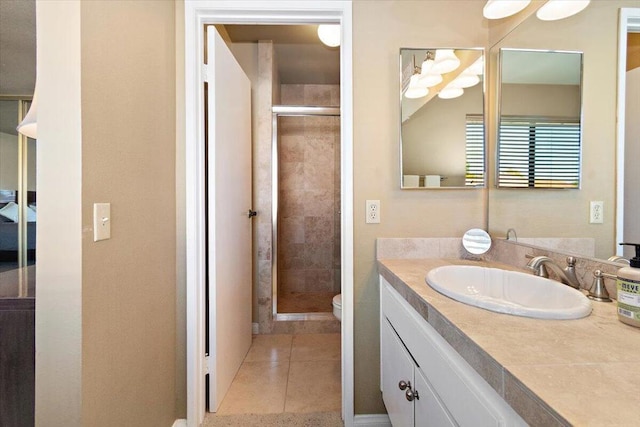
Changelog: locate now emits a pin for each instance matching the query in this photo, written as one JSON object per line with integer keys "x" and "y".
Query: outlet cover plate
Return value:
{"x": 372, "y": 212}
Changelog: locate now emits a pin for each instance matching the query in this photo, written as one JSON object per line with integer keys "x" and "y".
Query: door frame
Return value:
{"x": 197, "y": 15}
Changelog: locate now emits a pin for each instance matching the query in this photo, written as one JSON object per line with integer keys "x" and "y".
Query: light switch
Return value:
{"x": 101, "y": 221}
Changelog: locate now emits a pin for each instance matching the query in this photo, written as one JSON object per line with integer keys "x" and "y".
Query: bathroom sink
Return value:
{"x": 510, "y": 292}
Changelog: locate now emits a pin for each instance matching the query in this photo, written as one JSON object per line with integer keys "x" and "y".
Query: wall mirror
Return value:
{"x": 562, "y": 213}
{"x": 539, "y": 121}
{"x": 442, "y": 138}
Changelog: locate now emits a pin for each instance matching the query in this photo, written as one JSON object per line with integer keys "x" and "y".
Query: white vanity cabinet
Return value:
{"x": 439, "y": 387}
{"x": 407, "y": 395}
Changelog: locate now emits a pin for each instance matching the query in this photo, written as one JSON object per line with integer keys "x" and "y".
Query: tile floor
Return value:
{"x": 287, "y": 373}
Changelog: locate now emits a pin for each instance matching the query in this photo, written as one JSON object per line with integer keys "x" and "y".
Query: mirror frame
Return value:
{"x": 498, "y": 121}
{"x": 484, "y": 185}
{"x": 629, "y": 18}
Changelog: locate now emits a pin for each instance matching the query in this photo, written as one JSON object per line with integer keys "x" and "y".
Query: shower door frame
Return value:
{"x": 289, "y": 111}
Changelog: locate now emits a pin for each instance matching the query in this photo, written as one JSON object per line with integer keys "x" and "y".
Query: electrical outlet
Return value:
{"x": 596, "y": 212}
{"x": 372, "y": 212}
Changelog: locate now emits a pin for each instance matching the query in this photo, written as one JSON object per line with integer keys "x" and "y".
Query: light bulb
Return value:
{"x": 430, "y": 80}
{"x": 329, "y": 34}
{"x": 416, "y": 92}
{"x": 464, "y": 80}
{"x": 498, "y": 9}
{"x": 427, "y": 64}
{"x": 445, "y": 62}
{"x": 560, "y": 9}
{"x": 450, "y": 92}
{"x": 415, "y": 89}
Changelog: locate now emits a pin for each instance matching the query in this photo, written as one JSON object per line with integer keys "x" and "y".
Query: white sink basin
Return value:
{"x": 510, "y": 292}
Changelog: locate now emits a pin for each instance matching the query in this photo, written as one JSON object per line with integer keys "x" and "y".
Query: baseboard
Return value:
{"x": 372, "y": 420}
{"x": 255, "y": 330}
{"x": 180, "y": 423}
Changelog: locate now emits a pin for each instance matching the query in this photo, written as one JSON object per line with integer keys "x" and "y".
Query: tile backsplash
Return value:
{"x": 504, "y": 251}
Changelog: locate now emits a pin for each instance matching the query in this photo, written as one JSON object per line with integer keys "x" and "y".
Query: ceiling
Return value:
{"x": 301, "y": 57}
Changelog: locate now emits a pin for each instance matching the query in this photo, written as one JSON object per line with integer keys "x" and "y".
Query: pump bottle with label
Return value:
{"x": 629, "y": 290}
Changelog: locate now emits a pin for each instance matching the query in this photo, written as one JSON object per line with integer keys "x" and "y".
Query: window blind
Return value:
{"x": 474, "y": 155}
{"x": 539, "y": 152}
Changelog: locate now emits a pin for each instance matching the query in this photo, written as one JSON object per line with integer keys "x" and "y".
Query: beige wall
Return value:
{"x": 128, "y": 159}
{"x": 380, "y": 29}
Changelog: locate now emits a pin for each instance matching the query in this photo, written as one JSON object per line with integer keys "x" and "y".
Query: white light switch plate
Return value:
{"x": 101, "y": 221}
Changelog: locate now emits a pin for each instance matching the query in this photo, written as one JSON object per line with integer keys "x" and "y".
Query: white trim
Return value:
{"x": 197, "y": 13}
{"x": 372, "y": 420}
{"x": 628, "y": 17}
{"x": 179, "y": 423}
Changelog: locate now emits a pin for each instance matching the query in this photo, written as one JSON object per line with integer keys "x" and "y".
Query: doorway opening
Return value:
{"x": 197, "y": 16}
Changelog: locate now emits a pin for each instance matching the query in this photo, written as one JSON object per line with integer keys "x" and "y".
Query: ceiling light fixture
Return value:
{"x": 29, "y": 125}
{"x": 445, "y": 62}
{"x": 416, "y": 89}
{"x": 498, "y": 9}
{"x": 464, "y": 80}
{"x": 427, "y": 64}
{"x": 329, "y": 34}
{"x": 430, "y": 80}
{"x": 553, "y": 10}
{"x": 450, "y": 92}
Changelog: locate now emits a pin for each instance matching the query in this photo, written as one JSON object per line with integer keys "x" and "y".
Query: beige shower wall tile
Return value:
{"x": 318, "y": 203}
{"x": 318, "y": 280}
{"x": 291, "y": 281}
{"x": 291, "y": 203}
{"x": 318, "y": 176}
{"x": 318, "y": 229}
{"x": 292, "y": 94}
{"x": 319, "y": 256}
{"x": 291, "y": 230}
{"x": 291, "y": 176}
{"x": 319, "y": 148}
{"x": 291, "y": 148}
{"x": 317, "y": 94}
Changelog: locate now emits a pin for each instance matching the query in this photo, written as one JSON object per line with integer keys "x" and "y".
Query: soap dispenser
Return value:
{"x": 628, "y": 284}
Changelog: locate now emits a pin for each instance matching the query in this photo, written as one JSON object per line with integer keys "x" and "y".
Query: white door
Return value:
{"x": 229, "y": 225}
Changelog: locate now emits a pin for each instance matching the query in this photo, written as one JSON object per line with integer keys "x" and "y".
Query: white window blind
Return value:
{"x": 474, "y": 175}
{"x": 539, "y": 152}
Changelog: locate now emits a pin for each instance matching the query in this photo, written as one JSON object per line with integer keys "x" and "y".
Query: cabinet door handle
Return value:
{"x": 402, "y": 385}
{"x": 412, "y": 394}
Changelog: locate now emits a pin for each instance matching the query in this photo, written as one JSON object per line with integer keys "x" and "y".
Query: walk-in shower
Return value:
{"x": 306, "y": 211}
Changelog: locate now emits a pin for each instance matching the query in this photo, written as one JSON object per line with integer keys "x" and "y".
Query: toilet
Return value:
{"x": 337, "y": 306}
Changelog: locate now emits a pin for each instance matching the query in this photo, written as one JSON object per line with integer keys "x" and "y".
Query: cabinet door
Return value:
{"x": 429, "y": 411}
{"x": 397, "y": 366}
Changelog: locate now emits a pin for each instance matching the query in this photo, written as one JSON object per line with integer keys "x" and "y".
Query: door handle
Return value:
{"x": 251, "y": 213}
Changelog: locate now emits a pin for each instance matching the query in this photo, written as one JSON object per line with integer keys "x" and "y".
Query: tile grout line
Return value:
{"x": 286, "y": 388}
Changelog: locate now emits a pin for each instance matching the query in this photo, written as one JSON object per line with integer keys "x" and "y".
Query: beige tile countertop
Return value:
{"x": 583, "y": 372}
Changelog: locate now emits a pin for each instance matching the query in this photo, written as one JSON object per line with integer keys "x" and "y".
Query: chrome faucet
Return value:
{"x": 567, "y": 275}
{"x": 514, "y": 234}
{"x": 618, "y": 259}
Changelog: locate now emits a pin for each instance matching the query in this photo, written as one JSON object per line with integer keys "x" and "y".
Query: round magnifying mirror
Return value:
{"x": 476, "y": 241}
